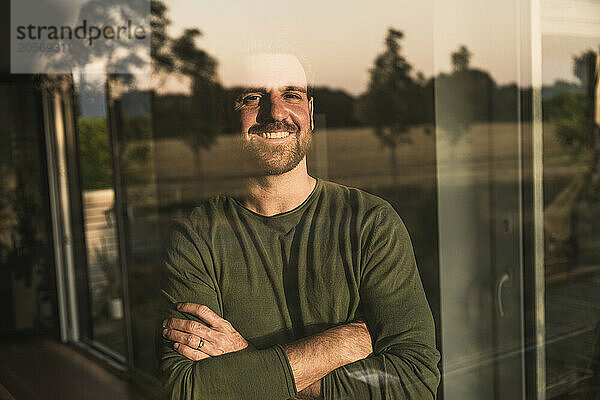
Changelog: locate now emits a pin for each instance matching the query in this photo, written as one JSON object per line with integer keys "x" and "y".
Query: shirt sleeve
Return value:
{"x": 246, "y": 374}
{"x": 404, "y": 360}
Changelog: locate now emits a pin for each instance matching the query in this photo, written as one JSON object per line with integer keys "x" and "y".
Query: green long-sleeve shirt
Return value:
{"x": 340, "y": 255}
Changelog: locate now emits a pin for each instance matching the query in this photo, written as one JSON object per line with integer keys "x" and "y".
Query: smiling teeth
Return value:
{"x": 275, "y": 135}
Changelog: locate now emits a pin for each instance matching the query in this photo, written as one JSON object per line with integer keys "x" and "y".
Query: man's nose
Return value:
{"x": 272, "y": 108}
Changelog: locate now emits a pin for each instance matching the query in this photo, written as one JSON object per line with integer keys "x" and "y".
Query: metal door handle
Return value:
{"x": 503, "y": 279}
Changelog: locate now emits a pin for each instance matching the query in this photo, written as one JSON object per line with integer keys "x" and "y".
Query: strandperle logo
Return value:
{"x": 84, "y": 32}
{"x": 69, "y": 36}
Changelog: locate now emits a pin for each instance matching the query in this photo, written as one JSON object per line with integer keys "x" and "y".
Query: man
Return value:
{"x": 298, "y": 288}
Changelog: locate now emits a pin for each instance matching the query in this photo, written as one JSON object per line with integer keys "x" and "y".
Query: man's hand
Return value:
{"x": 311, "y": 358}
{"x": 218, "y": 338}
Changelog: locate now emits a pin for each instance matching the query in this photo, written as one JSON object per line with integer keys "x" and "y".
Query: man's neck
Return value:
{"x": 275, "y": 194}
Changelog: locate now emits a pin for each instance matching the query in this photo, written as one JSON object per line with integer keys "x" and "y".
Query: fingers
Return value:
{"x": 206, "y": 314}
{"x": 193, "y": 341}
{"x": 187, "y": 339}
{"x": 189, "y": 326}
{"x": 220, "y": 336}
{"x": 192, "y": 354}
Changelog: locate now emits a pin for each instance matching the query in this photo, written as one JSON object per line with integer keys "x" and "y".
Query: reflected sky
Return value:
{"x": 340, "y": 39}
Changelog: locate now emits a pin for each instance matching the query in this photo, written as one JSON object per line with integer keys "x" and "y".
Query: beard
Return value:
{"x": 277, "y": 159}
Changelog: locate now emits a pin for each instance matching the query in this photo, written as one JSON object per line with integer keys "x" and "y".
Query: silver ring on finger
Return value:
{"x": 200, "y": 344}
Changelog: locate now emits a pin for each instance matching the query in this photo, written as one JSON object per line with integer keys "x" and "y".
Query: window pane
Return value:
{"x": 570, "y": 43}
{"x": 178, "y": 139}
{"x": 104, "y": 275}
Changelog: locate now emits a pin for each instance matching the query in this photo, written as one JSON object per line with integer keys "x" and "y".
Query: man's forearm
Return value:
{"x": 314, "y": 357}
{"x": 312, "y": 392}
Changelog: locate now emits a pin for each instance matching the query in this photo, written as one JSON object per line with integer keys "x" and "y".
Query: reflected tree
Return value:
{"x": 206, "y": 92}
{"x": 463, "y": 97}
{"x": 337, "y": 105}
{"x": 26, "y": 249}
{"x": 162, "y": 61}
{"x": 197, "y": 118}
{"x": 569, "y": 216}
{"x": 122, "y": 57}
{"x": 576, "y": 126}
{"x": 95, "y": 154}
{"x": 393, "y": 101}
{"x": 587, "y": 68}
{"x": 461, "y": 59}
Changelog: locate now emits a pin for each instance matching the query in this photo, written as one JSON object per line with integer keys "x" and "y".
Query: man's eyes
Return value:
{"x": 254, "y": 98}
{"x": 292, "y": 95}
{"x": 251, "y": 98}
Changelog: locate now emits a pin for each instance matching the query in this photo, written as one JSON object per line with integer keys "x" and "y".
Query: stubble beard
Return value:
{"x": 277, "y": 159}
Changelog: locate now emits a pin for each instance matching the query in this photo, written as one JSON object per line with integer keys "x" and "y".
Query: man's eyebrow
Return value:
{"x": 254, "y": 90}
{"x": 295, "y": 88}
{"x": 285, "y": 88}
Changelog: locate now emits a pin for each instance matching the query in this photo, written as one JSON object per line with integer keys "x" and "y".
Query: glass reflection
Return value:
{"x": 97, "y": 195}
{"x": 187, "y": 153}
{"x": 571, "y": 206}
{"x": 478, "y": 136}
{"x": 454, "y": 175}
{"x": 136, "y": 205}
{"x": 27, "y": 284}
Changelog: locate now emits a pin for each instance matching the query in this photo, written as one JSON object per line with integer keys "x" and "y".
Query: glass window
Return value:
{"x": 479, "y": 132}
{"x": 449, "y": 111}
{"x": 105, "y": 315}
{"x": 27, "y": 281}
{"x": 570, "y": 44}
{"x": 176, "y": 136}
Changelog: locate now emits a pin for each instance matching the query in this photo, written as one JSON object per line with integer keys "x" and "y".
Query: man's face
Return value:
{"x": 275, "y": 113}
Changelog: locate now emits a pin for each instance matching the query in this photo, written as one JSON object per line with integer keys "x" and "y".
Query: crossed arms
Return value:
{"x": 403, "y": 363}
{"x": 310, "y": 358}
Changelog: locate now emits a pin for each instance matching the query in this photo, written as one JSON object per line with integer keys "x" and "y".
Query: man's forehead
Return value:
{"x": 273, "y": 71}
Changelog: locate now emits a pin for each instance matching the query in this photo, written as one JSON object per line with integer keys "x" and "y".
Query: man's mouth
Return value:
{"x": 273, "y": 135}
{"x": 273, "y": 130}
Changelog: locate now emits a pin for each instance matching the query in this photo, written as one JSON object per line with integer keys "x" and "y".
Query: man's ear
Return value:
{"x": 311, "y": 110}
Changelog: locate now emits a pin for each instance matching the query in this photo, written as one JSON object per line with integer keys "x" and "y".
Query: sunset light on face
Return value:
{"x": 272, "y": 71}
{"x": 275, "y": 111}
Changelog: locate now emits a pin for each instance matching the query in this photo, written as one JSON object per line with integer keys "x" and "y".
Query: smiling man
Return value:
{"x": 275, "y": 112}
{"x": 300, "y": 288}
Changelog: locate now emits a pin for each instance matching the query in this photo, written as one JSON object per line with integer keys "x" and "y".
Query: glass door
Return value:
{"x": 483, "y": 138}
{"x": 137, "y": 214}
{"x": 104, "y": 275}
{"x": 570, "y": 92}
{"x": 518, "y": 143}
